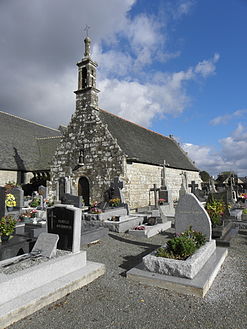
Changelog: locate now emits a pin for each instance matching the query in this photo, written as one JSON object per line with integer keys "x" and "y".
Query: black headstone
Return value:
{"x": 72, "y": 200}
{"x": 2, "y": 201}
{"x": 60, "y": 221}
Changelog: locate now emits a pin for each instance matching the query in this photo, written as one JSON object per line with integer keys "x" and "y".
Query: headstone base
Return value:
{"x": 198, "y": 286}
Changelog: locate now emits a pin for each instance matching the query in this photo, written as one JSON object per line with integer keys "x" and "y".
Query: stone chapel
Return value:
{"x": 98, "y": 146}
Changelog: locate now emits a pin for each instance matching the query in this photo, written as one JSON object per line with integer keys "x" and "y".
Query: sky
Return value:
{"x": 177, "y": 67}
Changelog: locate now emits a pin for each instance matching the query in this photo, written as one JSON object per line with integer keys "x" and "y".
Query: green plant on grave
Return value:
{"x": 216, "y": 210}
{"x": 244, "y": 212}
{"x": 35, "y": 202}
{"x": 183, "y": 245}
{"x": 198, "y": 237}
{"x": 10, "y": 200}
{"x": 7, "y": 225}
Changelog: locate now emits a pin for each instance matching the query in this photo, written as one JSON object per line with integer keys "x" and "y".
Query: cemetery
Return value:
{"x": 126, "y": 196}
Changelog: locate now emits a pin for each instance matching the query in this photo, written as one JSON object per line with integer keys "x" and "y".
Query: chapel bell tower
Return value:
{"x": 87, "y": 76}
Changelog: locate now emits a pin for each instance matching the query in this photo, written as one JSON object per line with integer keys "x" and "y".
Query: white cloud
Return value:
{"x": 232, "y": 155}
{"x": 207, "y": 67}
{"x": 141, "y": 103}
{"x": 223, "y": 119}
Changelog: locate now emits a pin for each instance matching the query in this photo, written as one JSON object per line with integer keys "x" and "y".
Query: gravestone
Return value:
{"x": 155, "y": 190}
{"x": 43, "y": 190}
{"x": 18, "y": 193}
{"x": 193, "y": 186}
{"x": 189, "y": 212}
{"x": 46, "y": 244}
{"x": 116, "y": 189}
{"x": 2, "y": 201}
{"x": 65, "y": 220}
{"x": 62, "y": 182}
{"x": 73, "y": 200}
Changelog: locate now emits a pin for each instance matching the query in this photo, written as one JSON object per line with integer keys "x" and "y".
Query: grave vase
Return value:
{"x": 5, "y": 238}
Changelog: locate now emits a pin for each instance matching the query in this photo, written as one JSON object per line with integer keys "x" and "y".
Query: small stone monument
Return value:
{"x": 189, "y": 212}
{"x": 46, "y": 244}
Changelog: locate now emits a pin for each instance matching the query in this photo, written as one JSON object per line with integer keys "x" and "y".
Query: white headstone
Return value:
{"x": 189, "y": 212}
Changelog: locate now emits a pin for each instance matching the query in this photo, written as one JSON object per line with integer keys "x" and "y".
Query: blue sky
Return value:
{"x": 177, "y": 67}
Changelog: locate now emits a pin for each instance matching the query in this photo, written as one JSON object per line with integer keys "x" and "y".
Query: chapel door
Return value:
{"x": 83, "y": 189}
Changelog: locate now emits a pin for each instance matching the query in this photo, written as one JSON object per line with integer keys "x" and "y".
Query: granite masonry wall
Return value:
{"x": 88, "y": 137}
{"x": 140, "y": 178}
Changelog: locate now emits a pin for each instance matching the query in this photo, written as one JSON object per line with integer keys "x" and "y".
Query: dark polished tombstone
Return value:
{"x": 65, "y": 221}
{"x": 61, "y": 221}
{"x": 2, "y": 201}
{"x": 73, "y": 200}
{"x": 16, "y": 246}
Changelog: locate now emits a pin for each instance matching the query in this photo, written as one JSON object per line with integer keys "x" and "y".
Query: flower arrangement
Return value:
{"x": 114, "y": 202}
{"x": 95, "y": 210}
{"x": 28, "y": 214}
{"x": 10, "y": 200}
{"x": 7, "y": 225}
{"x": 140, "y": 228}
{"x": 162, "y": 201}
{"x": 183, "y": 245}
{"x": 216, "y": 210}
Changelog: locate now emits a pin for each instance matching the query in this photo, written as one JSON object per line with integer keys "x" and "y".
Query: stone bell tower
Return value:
{"x": 87, "y": 90}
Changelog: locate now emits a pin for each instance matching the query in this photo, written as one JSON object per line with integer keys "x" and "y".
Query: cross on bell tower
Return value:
{"x": 87, "y": 74}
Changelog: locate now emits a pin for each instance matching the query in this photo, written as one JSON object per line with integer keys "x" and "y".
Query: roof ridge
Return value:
{"x": 136, "y": 124}
{"x": 50, "y": 137}
{"x": 38, "y": 124}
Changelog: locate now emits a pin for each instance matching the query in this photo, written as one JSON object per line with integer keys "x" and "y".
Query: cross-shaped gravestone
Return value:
{"x": 155, "y": 190}
{"x": 193, "y": 186}
{"x": 117, "y": 185}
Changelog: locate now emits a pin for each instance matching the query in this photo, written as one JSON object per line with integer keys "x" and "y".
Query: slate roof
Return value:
{"x": 144, "y": 145}
{"x": 21, "y": 147}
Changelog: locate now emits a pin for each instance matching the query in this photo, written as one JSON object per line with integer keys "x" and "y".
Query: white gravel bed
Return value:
{"x": 115, "y": 302}
{"x": 27, "y": 263}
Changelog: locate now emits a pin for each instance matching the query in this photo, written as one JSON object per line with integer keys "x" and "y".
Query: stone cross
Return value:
{"x": 163, "y": 176}
{"x": 155, "y": 190}
{"x": 193, "y": 186}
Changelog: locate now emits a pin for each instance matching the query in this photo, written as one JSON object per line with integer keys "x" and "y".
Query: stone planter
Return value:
{"x": 181, "y": 268}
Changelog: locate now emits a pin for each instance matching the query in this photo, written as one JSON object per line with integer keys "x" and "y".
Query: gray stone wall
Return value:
{"x": 140, "y": 178}
{"x": 88, "y": 136}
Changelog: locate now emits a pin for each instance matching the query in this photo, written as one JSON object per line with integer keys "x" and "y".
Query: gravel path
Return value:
{"x": 113, "y": 301}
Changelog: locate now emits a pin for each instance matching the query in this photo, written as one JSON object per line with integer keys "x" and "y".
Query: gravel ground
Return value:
{"x": 113, "y": 301}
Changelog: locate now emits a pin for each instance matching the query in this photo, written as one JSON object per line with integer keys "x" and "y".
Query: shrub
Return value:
{"x": 7, "y": 225}
{"x": 216, "y": 210}
{"x": 182, "y": 246}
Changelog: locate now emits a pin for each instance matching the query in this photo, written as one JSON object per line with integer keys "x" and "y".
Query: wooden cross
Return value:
{"x": 193, "y": 186}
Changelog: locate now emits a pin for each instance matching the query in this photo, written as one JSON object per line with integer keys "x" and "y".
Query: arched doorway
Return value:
{"x": 83, "y": 189}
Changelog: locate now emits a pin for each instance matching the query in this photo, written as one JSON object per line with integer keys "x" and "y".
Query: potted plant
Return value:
{"x": 7, "y": 227}
{"x": 10, "y": 201}
{"x": 114, "y": 202}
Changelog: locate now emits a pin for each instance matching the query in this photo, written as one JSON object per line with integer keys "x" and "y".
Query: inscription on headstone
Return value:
{"x": 66, "y": 222}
